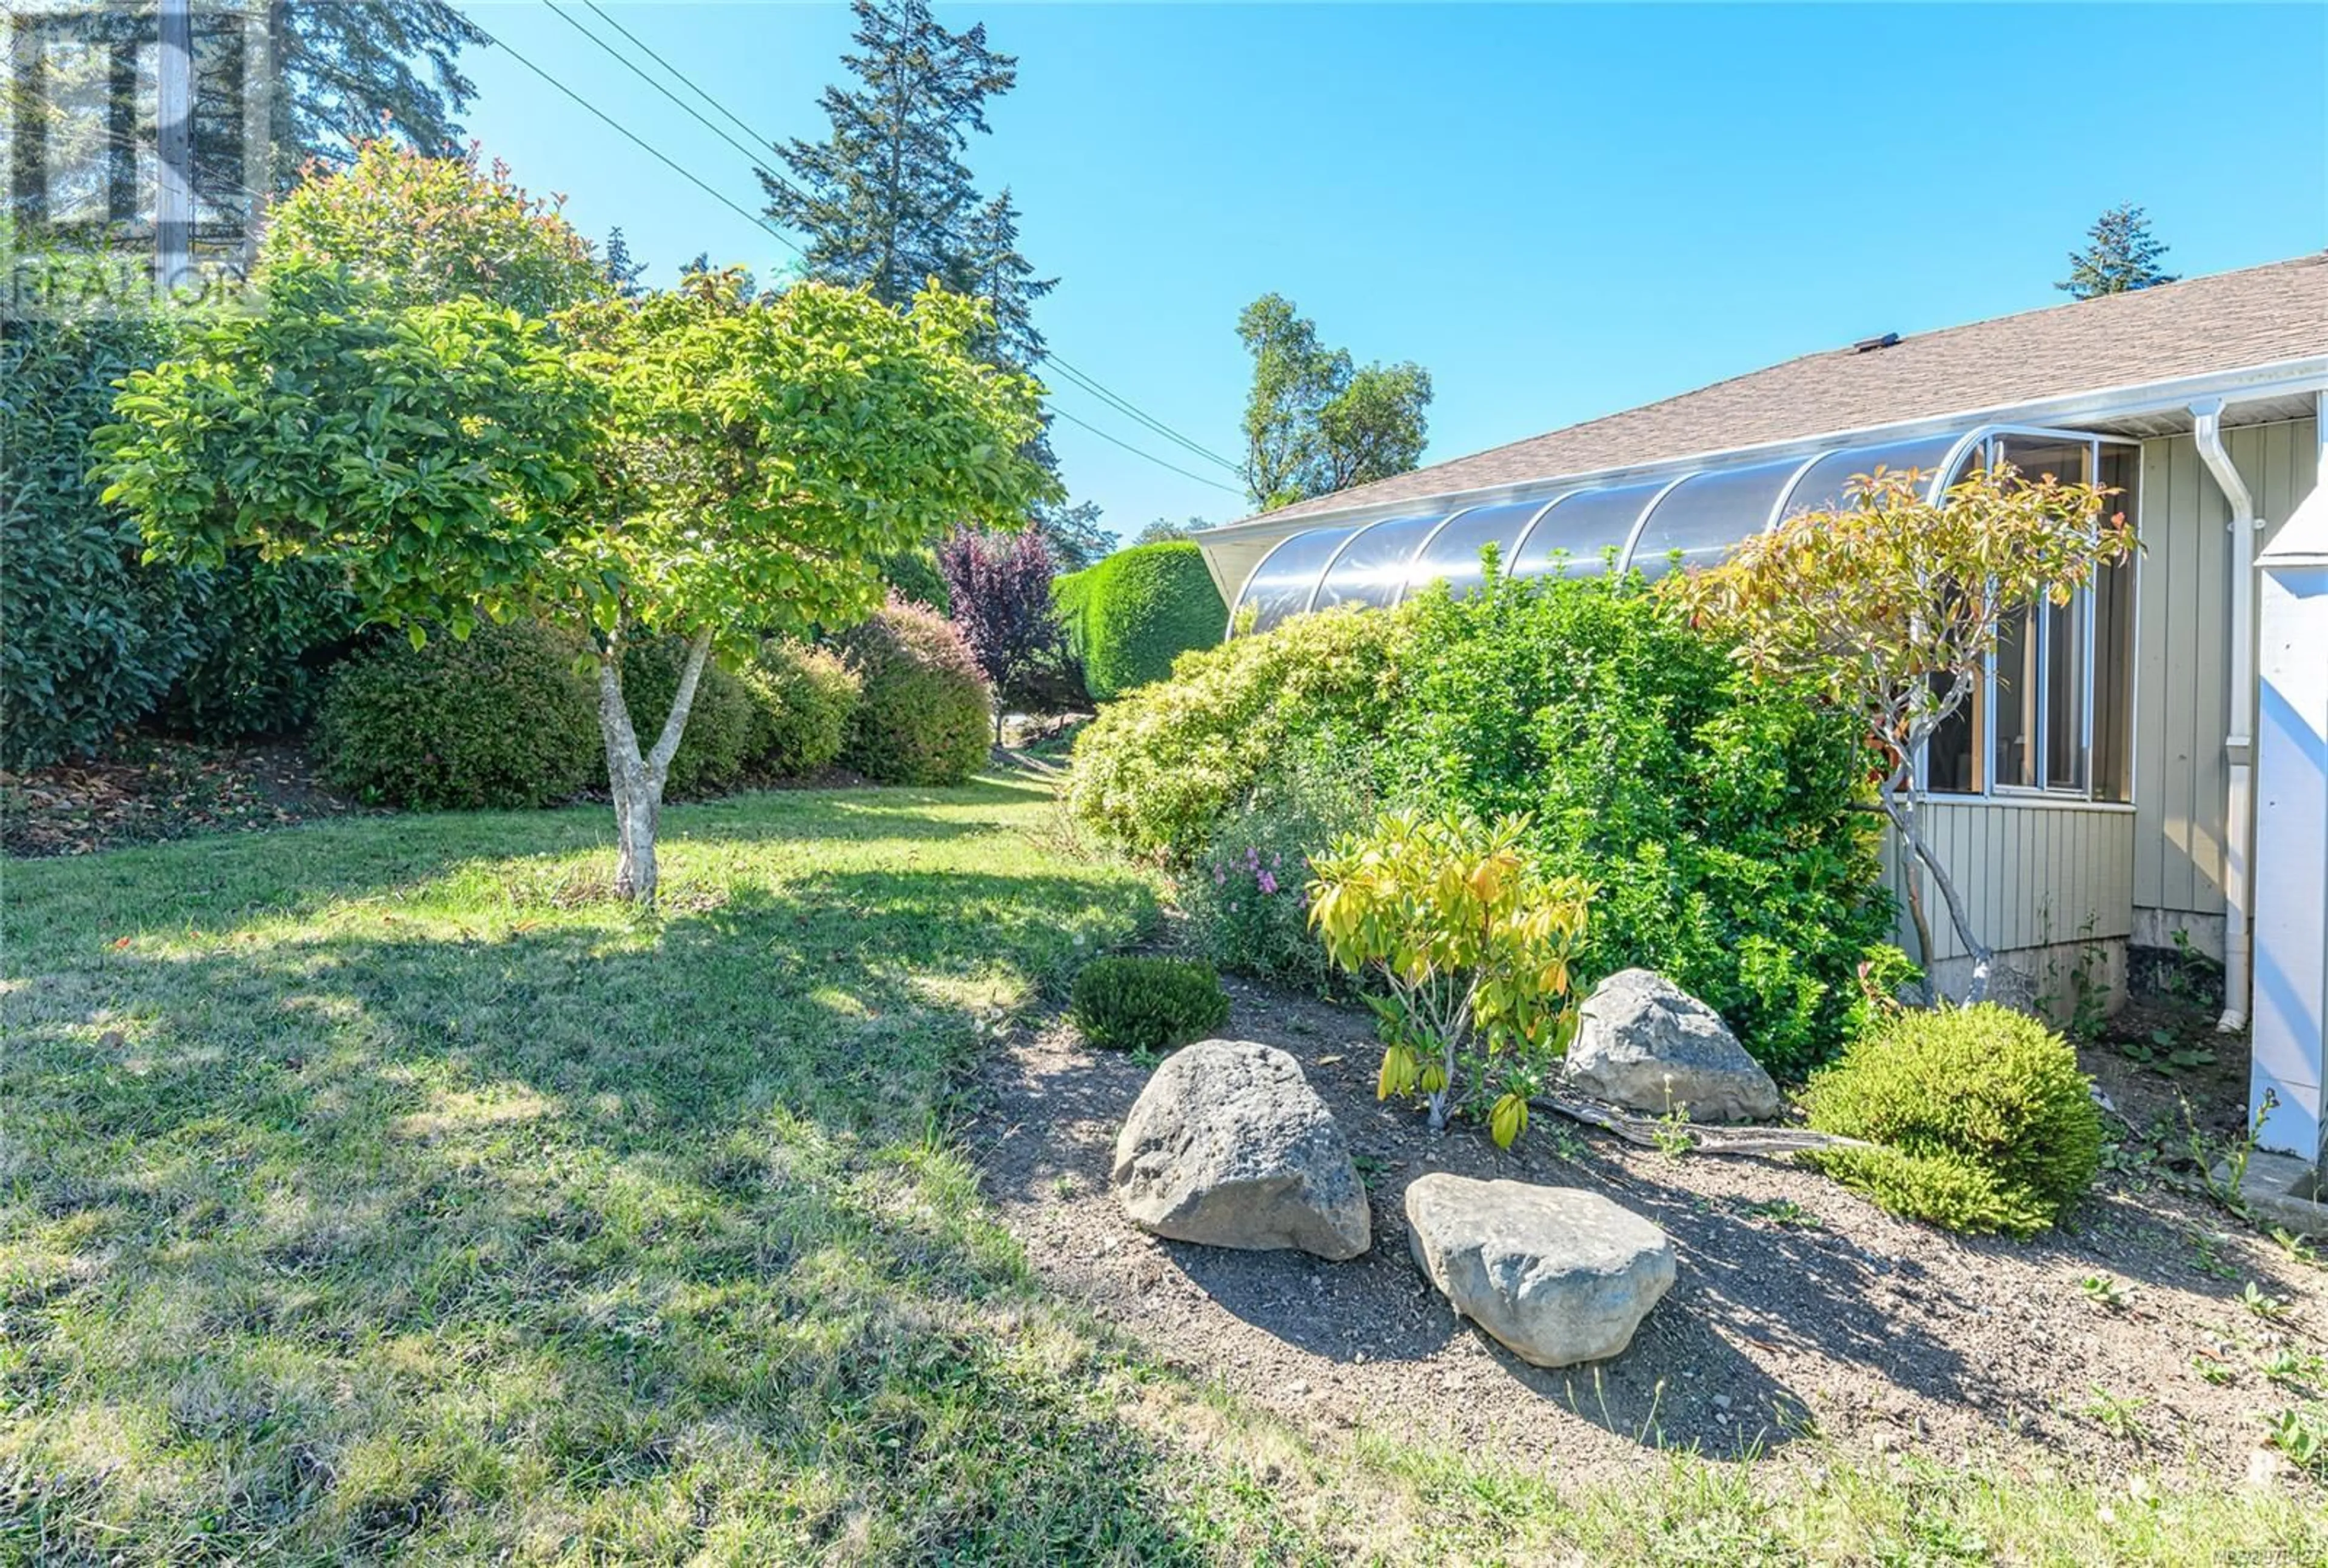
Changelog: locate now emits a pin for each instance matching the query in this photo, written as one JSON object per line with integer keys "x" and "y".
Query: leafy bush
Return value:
{"x": 1714, "y": 813}
{"x": 89, "y": 637}
{"x": 723, "y": 726}
{"x": 1160, "y": 771}
{"x": 1246, "y": 897}
{"x": 502, "y": 719}
{"x": 1129, "y": 617}
{"x": 922, "y": 716}
{"x": 1982, "y": 1089}
{"x": 1471, "y": 946}
{"x": 1147, "y": 1004}
{"x": 805, "y": 695}
{"x": 913, "y": 577}
{"x": 271, "y": 631}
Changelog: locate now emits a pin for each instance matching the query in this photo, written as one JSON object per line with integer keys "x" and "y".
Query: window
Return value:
{"x": 2055, "y": 711}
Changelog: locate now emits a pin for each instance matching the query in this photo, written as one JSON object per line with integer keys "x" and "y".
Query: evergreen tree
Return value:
{"x": 350, "y": 70}
{"x": 623, "y": 270}
{"x": 887, "y": 201}
{"x": 2121, "y": 255}
{"x": 999, "y": 273}
{"x": 1073, "y": 534}
{"x": 1164, "y": 531}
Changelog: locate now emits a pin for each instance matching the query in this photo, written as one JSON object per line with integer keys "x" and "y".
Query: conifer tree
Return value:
{"x": 2121, "y": 255}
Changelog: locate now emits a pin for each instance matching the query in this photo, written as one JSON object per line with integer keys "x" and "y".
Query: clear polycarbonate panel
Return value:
{"x": 1575, "y": 535}
{"x": 1373, "y": 569}
{"x": 1706, "y": 513}
{"x": 1826, "y": 484}
{"x": 1283, "y": 584}
{"x": 1452, "y": 557}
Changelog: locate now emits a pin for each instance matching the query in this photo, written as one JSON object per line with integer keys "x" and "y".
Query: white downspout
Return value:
{"x": 2239, "y": 745}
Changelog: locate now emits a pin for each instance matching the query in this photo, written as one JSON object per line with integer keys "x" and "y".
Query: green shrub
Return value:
{"x": 923, "y": 712}
{"x": 1947, "y": 1190}
{"x": 89, "y": 637}
{"x": 723, "y": 725}
{"x": 1245, "y": 896}
{"x": 1982, "y": 1087}
{"x": 1147, "y": 1004}
{"x": 805, "y": 695}
{"x": 1161, "y": 770}
{"x": 502, "y": 719}
{"x": 913, "y": 577}
{"x": 1129, "y": 617}
{"x": 1715, "y": 814}
{"x": 271, "y": 633}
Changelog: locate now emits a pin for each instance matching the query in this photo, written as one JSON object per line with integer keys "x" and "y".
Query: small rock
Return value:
{"x": 1722, "y": 1401}
{"x": 1556, "y": 1274}
{"x": 1229, "y": 1146}
{"x": 1644, "y": 1043}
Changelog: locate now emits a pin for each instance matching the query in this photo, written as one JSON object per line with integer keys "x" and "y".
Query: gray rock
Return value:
{"x": 1556, "y": 1274}
{"x": 1644, "y": 1043}
{"x": 1228, "y": 1145}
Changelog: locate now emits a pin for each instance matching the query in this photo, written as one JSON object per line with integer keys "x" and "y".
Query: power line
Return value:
{"x": 628, "y": 135}
{"x": 761, "y": 222}
{"x": 1089, "y": 383}
{"x": 1151, "y": 456}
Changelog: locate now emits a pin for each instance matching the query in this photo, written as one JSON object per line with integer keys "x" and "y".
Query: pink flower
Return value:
{"x": 1268, "y": 883}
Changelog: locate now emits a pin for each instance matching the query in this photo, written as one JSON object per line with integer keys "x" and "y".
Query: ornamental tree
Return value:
{"x": 1472, "y": 947}
{"x": 1888, "y": 606}
{"x": 693, "y": 463}
{"x": 1000, "y": 585}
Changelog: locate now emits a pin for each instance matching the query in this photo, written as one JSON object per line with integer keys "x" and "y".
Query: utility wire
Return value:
{"x": 1076, "y": 377}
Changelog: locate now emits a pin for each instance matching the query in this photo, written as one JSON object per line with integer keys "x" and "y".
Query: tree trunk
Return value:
{"x": 636, "y": 781}
{"x": 1900, "y": 806}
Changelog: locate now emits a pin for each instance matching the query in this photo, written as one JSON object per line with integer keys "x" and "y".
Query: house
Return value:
{"x": 2100, "y": 795}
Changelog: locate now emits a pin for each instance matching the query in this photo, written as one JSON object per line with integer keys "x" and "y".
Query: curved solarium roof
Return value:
{"x": 1691, "y": 514}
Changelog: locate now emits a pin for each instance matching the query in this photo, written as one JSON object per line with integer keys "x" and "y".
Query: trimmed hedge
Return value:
{"x": 805, "y": 695}
{"x": 502, "y": 719}
{"x": 924, "y": 711}
{"x": 1985, "y": 1122}
{"x": 89, "y": 637}
{"x": 723, "y": 726}
{"x": 1129, "y": 617}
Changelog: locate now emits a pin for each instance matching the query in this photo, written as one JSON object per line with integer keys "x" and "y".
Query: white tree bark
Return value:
{"x": 636, "y": 779}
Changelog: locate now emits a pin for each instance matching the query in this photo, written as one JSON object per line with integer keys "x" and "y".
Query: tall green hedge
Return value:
{"x": 1130, "y": 615}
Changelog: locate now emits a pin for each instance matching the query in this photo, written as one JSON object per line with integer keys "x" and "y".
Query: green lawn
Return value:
{"x": 375, "y": 1188}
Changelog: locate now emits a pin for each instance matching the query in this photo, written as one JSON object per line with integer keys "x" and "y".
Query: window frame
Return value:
{"x": 1985, "y": 442}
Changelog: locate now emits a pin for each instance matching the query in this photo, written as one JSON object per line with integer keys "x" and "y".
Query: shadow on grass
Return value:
{"x": 634, "y": 1237}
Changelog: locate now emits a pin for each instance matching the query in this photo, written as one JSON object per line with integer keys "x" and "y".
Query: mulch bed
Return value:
{"x": 149, "y": 789}
{"x": 1800, "y": 1306}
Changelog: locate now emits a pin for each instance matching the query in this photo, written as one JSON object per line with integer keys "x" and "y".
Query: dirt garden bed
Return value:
{"x": 2122, "y": 1341}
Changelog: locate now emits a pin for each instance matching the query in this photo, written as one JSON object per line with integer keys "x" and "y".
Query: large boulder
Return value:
{"x": 1644, "y": 1043}
{"x": 1556, "y": 1274}
{"x": 1228, "y": 1145}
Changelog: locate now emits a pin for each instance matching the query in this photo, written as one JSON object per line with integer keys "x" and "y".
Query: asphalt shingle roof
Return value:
{"x": 2256, "y": 316}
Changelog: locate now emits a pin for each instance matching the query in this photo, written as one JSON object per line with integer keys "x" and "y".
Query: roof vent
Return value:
{"x": 1869, "y": 345}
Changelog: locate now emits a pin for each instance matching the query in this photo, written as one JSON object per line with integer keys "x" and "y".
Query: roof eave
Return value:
{"x": 2249, "y": 383}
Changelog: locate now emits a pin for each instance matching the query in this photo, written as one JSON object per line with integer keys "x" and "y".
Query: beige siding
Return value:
{"x": 2183, "y": 650}
{"x": 2032, "y": 873}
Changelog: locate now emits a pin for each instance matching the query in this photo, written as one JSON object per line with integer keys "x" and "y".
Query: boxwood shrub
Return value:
{"x": 1130, "y": 616}
{"x": 1983, "y": 1120}
{"x": 923, "y": 711}
{"x": 1147, "y": 1004}
{"x": 501, "y": 718}
{"x": 805, "y": 695}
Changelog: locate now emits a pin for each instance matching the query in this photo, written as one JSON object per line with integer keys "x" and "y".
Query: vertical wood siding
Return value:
{"x": 2032, "y": 873}
{"x": 2182, "y": 651}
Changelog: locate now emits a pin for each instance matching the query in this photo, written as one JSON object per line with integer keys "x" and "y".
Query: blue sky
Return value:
{"x": 1560, "y": 211}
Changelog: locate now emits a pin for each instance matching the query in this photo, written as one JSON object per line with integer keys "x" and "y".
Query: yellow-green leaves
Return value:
{"x": 1473, "y": 943}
